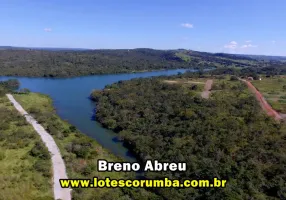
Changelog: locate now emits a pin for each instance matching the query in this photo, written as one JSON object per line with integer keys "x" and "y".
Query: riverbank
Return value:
{"x": 25, "y": 166}
{"x": 58, "y": 165}
{"x": 71, "y": 103}
{"x": 80, "y": 152}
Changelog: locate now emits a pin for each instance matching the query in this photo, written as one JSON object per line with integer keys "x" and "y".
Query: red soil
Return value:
{"x": 263, "y": 103}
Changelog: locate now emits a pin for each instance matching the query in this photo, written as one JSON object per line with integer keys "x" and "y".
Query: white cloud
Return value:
{"x": 248, "y": 41}
{"x": 231, "y": 45}
{"x": 273, "y": 41}
{"x": 47, "y": 29}
{"x": 248, "y": 46}
{"x": 187, "y": 25}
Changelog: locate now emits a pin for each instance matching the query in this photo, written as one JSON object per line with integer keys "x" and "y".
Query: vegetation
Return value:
{"x": 80, "y": 152}
{"x": 10, "y": 84}
{"x": 64, "y": 63}
{"x": 25, "y": 166}
{"x": 274, "y": 90}
{"x": 227, "y": 136}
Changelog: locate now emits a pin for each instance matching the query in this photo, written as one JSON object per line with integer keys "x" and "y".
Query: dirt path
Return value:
{"x": 59, "y": 169}
{"x": 208, "y": 87}
{"x": 190, "y": 82}
{"x": 263, "y": 103}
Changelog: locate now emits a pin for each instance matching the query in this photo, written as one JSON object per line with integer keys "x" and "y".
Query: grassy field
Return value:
{"x": 274, "y": 91}
{"x": 79, "y": 151}
{"x": 25, "y": 166}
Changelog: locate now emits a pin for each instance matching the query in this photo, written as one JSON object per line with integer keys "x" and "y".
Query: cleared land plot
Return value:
{"x": 218, "y": 83}
{"x": 195, "y": 84}
{"x": 274, "y": 91}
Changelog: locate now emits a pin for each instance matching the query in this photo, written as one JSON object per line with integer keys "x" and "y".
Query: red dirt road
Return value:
{"x": 263, "y": 103}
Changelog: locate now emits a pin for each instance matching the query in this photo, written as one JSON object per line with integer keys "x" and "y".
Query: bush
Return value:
{"x": 73, "y": 129}
{"x": 39, "y": 150}
{"x": 88, "y": 169}
{"x": 194, "y": 87}
{"x": 2, "y": 155}
{"x": 4, "y": 126}
{"x": 34, "y": 110}
{"x": 43, "y": 167}
{"x": 22, "y": 122}
{"x": 233, "y": 78}
{"x": 52, "y": 130}
{"x": 24, "y": 91}
{"x": 66, "y": 132}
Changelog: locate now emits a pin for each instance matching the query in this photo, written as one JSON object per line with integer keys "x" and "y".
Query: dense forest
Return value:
{"x": 67, "y": 63}
{"x": 227, "y": 136}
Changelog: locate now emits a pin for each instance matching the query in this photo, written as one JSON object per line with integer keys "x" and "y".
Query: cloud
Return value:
{"x": 248, "y": 41}
{"x": 47, "y": 29}
{"x": 231, "y": 45}
{"x": 248, "y": 46}
{"x": 273, "y": 41}
{"x": 187, "y": 25}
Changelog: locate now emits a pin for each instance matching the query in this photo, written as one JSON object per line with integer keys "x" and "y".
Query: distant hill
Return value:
{"x": 69, "y": 62}
{"x": 42, "y": 48}
{"x": 265, "y": 57}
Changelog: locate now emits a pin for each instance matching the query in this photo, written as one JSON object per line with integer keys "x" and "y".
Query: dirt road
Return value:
{"x": 59, "y": 169}
{"x": 208, "y": 87}
{"x": 263, "y": 103}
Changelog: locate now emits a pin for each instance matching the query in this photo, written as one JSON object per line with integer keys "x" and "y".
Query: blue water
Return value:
{"x": 70, "y": 98}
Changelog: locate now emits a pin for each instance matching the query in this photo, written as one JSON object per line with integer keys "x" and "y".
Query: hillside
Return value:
{"x": 70, "y": 63}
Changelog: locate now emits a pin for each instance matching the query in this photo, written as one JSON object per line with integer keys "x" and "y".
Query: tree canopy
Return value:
{"x": 227, "y": 136}
{"x": 64, "y": 63}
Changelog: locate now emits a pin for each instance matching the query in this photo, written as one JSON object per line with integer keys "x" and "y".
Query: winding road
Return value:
{"x": 263, "y": 103}
{"x": 59, "y": 169}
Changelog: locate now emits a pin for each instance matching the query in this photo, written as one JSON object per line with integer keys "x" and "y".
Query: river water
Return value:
{"x": 70, "y": 98}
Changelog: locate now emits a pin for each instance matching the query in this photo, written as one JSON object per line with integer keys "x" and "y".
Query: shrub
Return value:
{"x": 4, "y": 126}
{"x": 88, "y": 169}
{"x": 24, "y": 91}
{"x": 43, "y": 167}
{"x": 52, "y": 130}
{"x": 34, "y": 110}
{"x": 194, "y": 87}
{"x": 233, "y": 78}
{"x": 2, "y": 155}
{"x": 40, "y": 151}
{"x": 73, "y": 129}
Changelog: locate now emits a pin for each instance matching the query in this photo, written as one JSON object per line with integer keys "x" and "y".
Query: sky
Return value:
{"x": 230, "y": 26}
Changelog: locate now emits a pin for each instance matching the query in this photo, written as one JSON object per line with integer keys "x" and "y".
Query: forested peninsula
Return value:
{"x": 72, "y": 63}
{"x": 227, "y": 136}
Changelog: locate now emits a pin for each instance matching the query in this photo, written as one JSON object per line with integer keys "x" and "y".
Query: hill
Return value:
{"x": 69, "y": 63}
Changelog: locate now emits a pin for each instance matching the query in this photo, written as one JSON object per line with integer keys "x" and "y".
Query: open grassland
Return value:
{"x": 25, "y": 166}
{"x": 274, "y": 91}
{"x": 79, "y": 151}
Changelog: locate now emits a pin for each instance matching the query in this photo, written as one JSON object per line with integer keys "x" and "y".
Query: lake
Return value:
{"x": 70, "y": 98}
